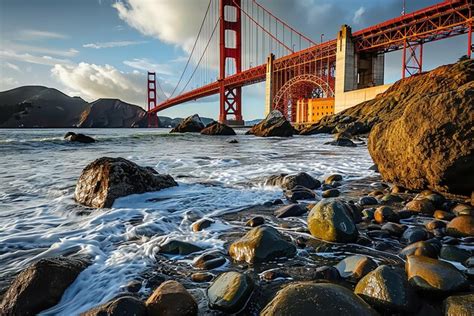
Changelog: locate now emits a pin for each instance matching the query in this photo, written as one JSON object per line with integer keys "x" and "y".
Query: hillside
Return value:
{"x": 112, "y": 113}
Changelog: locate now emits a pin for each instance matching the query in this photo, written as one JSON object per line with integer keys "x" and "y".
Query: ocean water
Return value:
{"x": 39, "y": 218}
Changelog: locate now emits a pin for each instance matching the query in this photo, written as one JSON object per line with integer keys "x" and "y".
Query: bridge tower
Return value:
{"x": 151, "y": 100}
{"x": 230, "y": 46}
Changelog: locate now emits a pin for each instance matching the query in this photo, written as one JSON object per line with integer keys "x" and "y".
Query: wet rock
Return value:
{"x": 332, "y": 178}
{"x": 469, "y": 262}
{"x": 171, "y": 298}
{"x": 387, "y": 288}
{"x": 433, "y": 275}
{"x": 393, "y": 229}
{"x": 355, "y": 267}
{"x": 273, "y": 274}
{"x": 423, "y": 206}
{"x": 453, "y": 253}
{"x": 448, "y": 240}
{"x": 461, "y": 226}
{"x": 457, "y": 305}
{"x": 341, "y": 141}
{"x": 79, "y": 138}
{"x": 299, "y": 193}
{"x": 327, "y": 273}
{"x": 291, "y": 210}
{"x": 230, "y": 292}
{"x": 435, "y": 224}
{"x": 40, "y": 286}
{"x": 330, "y": 220}
{"x": 436, "y": 199}
{"x": 275, "y": 124}
{"x": 385, "y": 214}
{"x": 443, "y": 215}
{"x": 463, "y": 209}
{"x": 367, "y": 200}
{"x": 382, "y": 234}
{"x": 209, "y": 261}
{"x": 391, "y": 198}
{"x": 260, "y": 244}
{"x": 255, "y": 221}
{"x": 191, "y": 124}
{"x": 134, "y": 286}
{"x": 414, "y": 234}
{"x": 216, "y": 128}
{"x": 200, "y": 277}
{"x": 331, "y": 193}
{"x": 305, "y": 298}
{"x": 202, "y": 224}
{"x": 233, "y": 141}
{"x": 122, "y": 306}
{"x": 420, "y": 248}
{"x": 368, "y": 213}
{"x": 178, "y": 247}
{"x": 106, "y": 179}
{"x": 301, "y": 241}
{"x": 404, "y": 214}
{"x": 398, "y": 189}
{"x": 289, "y": 182}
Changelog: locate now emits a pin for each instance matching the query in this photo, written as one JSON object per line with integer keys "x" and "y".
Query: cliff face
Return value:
{"x": 112, "y": 113}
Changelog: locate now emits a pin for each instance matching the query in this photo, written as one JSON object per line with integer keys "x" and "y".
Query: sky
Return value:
{"x": 103, "y": 48}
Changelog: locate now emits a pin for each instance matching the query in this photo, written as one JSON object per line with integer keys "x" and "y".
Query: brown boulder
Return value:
{"x": 461, "y": 226}
{"x": 106, "y": 179}
{"x": 40, "y": 286}
{"x": 275, "y": 124}
{"x": 191, "y": 124}
{"x": 122, "y": 306}
{"x": 171, "y": 299}
{"x": 216, "y": 128}
{"x": 430, "y": 144}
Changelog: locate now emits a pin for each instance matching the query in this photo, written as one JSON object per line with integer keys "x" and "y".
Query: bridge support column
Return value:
{"x": 230, "y": 97}
{"x": 151, "y": 100}
{"x": 269, "y": 86}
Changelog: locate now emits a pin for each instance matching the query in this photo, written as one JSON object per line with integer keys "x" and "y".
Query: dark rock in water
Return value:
{"x": 391, "y": 198}
{"x": 385, "y": 214}
{"x": 171, "y": 298}
{"x": 230, "y": 292}
{"x": 443, "y": 215}
{"x": 273, "y": 274}
{"x": 80, "y": 138}
{"x": 125, "y": 305}
{"x": 423, "y": 206}
{"x": 216, "y": 128}
{"x": 233, "y": 141}
{"x": 378, "y": 234}
{"x": 330, "y": 220}
{"x": 435, "y": 224}
{"x": 367, "y": 200}
{"x": 414, "y": 234}
{"x": 202, "y": 224}
{"x": 40, "y": 286}
{"x": 343, "y": 142}
{"x": 420, "y": 248}
{"x": 260, "y": 244}
{"x": 209, "y": 261}
{"x": 461, "y": 226}
{"x": 291, "y": 210}
{"x": 453, "y": 253}
{"x": 178, "y": 247}
{"x": 457, "y": 305}
{"x": 433, "y": 275}
{"x": 327, "y": 273}
{"x": 200, "y": 277}
{"x": 305, "y": 298}
{"x": 368, "y": 213}
{"x": 332, "y": 178}
{"x": 435, "y": 198}
{"x": 191, "y": 124}
{"x": 393, "y": 229}
{"x": 106, "y": 179}
{"x": 289, "y": 182}
{"x": 255, "y": 221}
{"x": 435, "y": 128}
{"x": 299, "y": 193}
{"x": 331, "y": 193}
{"x": 387, "y": 288}
{"x": 275, "y": 124}
{"x": 355, "y": 267}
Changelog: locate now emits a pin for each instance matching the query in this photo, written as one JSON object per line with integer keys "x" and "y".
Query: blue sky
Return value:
{"x": 102, "y": 48}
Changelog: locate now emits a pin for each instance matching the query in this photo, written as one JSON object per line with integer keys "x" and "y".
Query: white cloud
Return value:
{"x": 14, "y": 46}
{"x": 92, "y": 82}
{"x": 359, "y": 16}
{"x": 8, "y": 82}
{"x": 148, "y": 65}
{"x": 100, "y": 45}
{"x": 38, "y": 35}
{"x": 12, "y": 66}
{"x": 32, "y": 59}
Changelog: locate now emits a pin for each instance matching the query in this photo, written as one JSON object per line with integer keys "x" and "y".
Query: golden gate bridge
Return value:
{"x": 241, "y": 43}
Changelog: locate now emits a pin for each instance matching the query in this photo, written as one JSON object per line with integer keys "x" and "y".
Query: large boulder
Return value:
{"x": 106, "y": 179}
{"x": 461, "y": 226}
{"x": 304, "y": 298}
{"x": 275, "y": 124}
{"x": 458, "y": 305}
{"x": 260, "y": 244}
{"x": 289, "y": 182}
{"x": 122, "y": 306}
{"x": 216, "y": 128}
{"x": 230, "y": 292}
{"x": 191, "y": 124}
{"x": 431, "y": 144}
{"x": 79, "y": 138}
{"x": 171, "y": 298}
{"x": 40, "y": 286}
{"x": 330, "y": 220}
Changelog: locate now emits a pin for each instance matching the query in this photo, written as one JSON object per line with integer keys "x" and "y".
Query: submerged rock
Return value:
{"x": 201, "y": 224}
{"x": 216, "y": 128}
{"x": 330, "y": 220}
{"x": 191, "y": 124}
{"x": 230, "y": 292}
{"x": 125, "y": 305}
{"x": 305, "y": 298}
{"x": 40, "y": 286}
{"x": 79, "y": 138}
{"x": 106, "y": 179}
{"x": 343, "y": 142}
{"x": 260, "y": 244}
{"x": 171, "y": 298}
{"x": 275, "y": 124}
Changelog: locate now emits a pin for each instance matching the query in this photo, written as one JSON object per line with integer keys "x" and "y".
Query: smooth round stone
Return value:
{"x": 278, "y": 202}
{"x": 405, "y": 214}
{"x": 255, "y": 221}
{"x": 301, "y": 241}
{"x": 331, "y": 193}
{"x": 382, "y": 246}
{"x": 391, "y": 198}
{"x": 292, "y": 210}
{"x": 230, "y": 292}
{"x": 447, "y": 216}
{"x": 368, "y": 213}
{"x": 436, "y": 199}
{"x": 171, "y": 298}
{"x": 374, "y": 227}
{"x": 177, "y": 247}
{"x": 200, "y": 277}
{"x": 367, "y": 200}
{"x": 378, "y": 234}
{"x": 459, "y": 305}
{"x": 209, "y": 261}
{"x": 332, "y": 178}
{"x": 306, "y": 298}
{"x": 394, "y": 229}
{"x": 385, "y": 214}
{"x": 453, "y": 253}
{"x": 420, "y": 248}
{"x": 461, "y": 226}
{"x": 435, "y": 224}
{"x": 326, "y": 186}
{"x": 463, "y": 209}
{"x": 414, "y": 234}
{"x": 423, "y": 206}
{"x": 202, "y": 224}
{"x": 268, "y": 204}
{"x": 123, "y": 305}
{"x": 271, "y": 275}
{"x": 327, "y": 273}
{"x": 433, "y": 275}
{"x": 387, "y": 288}
{"x": 355, "y": 267}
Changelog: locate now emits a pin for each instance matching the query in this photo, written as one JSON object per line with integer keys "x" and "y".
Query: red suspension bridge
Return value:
{"x": 241, "y": 43}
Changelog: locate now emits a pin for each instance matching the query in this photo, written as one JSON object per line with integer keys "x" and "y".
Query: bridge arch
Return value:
{"x": 299, "y": 87}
